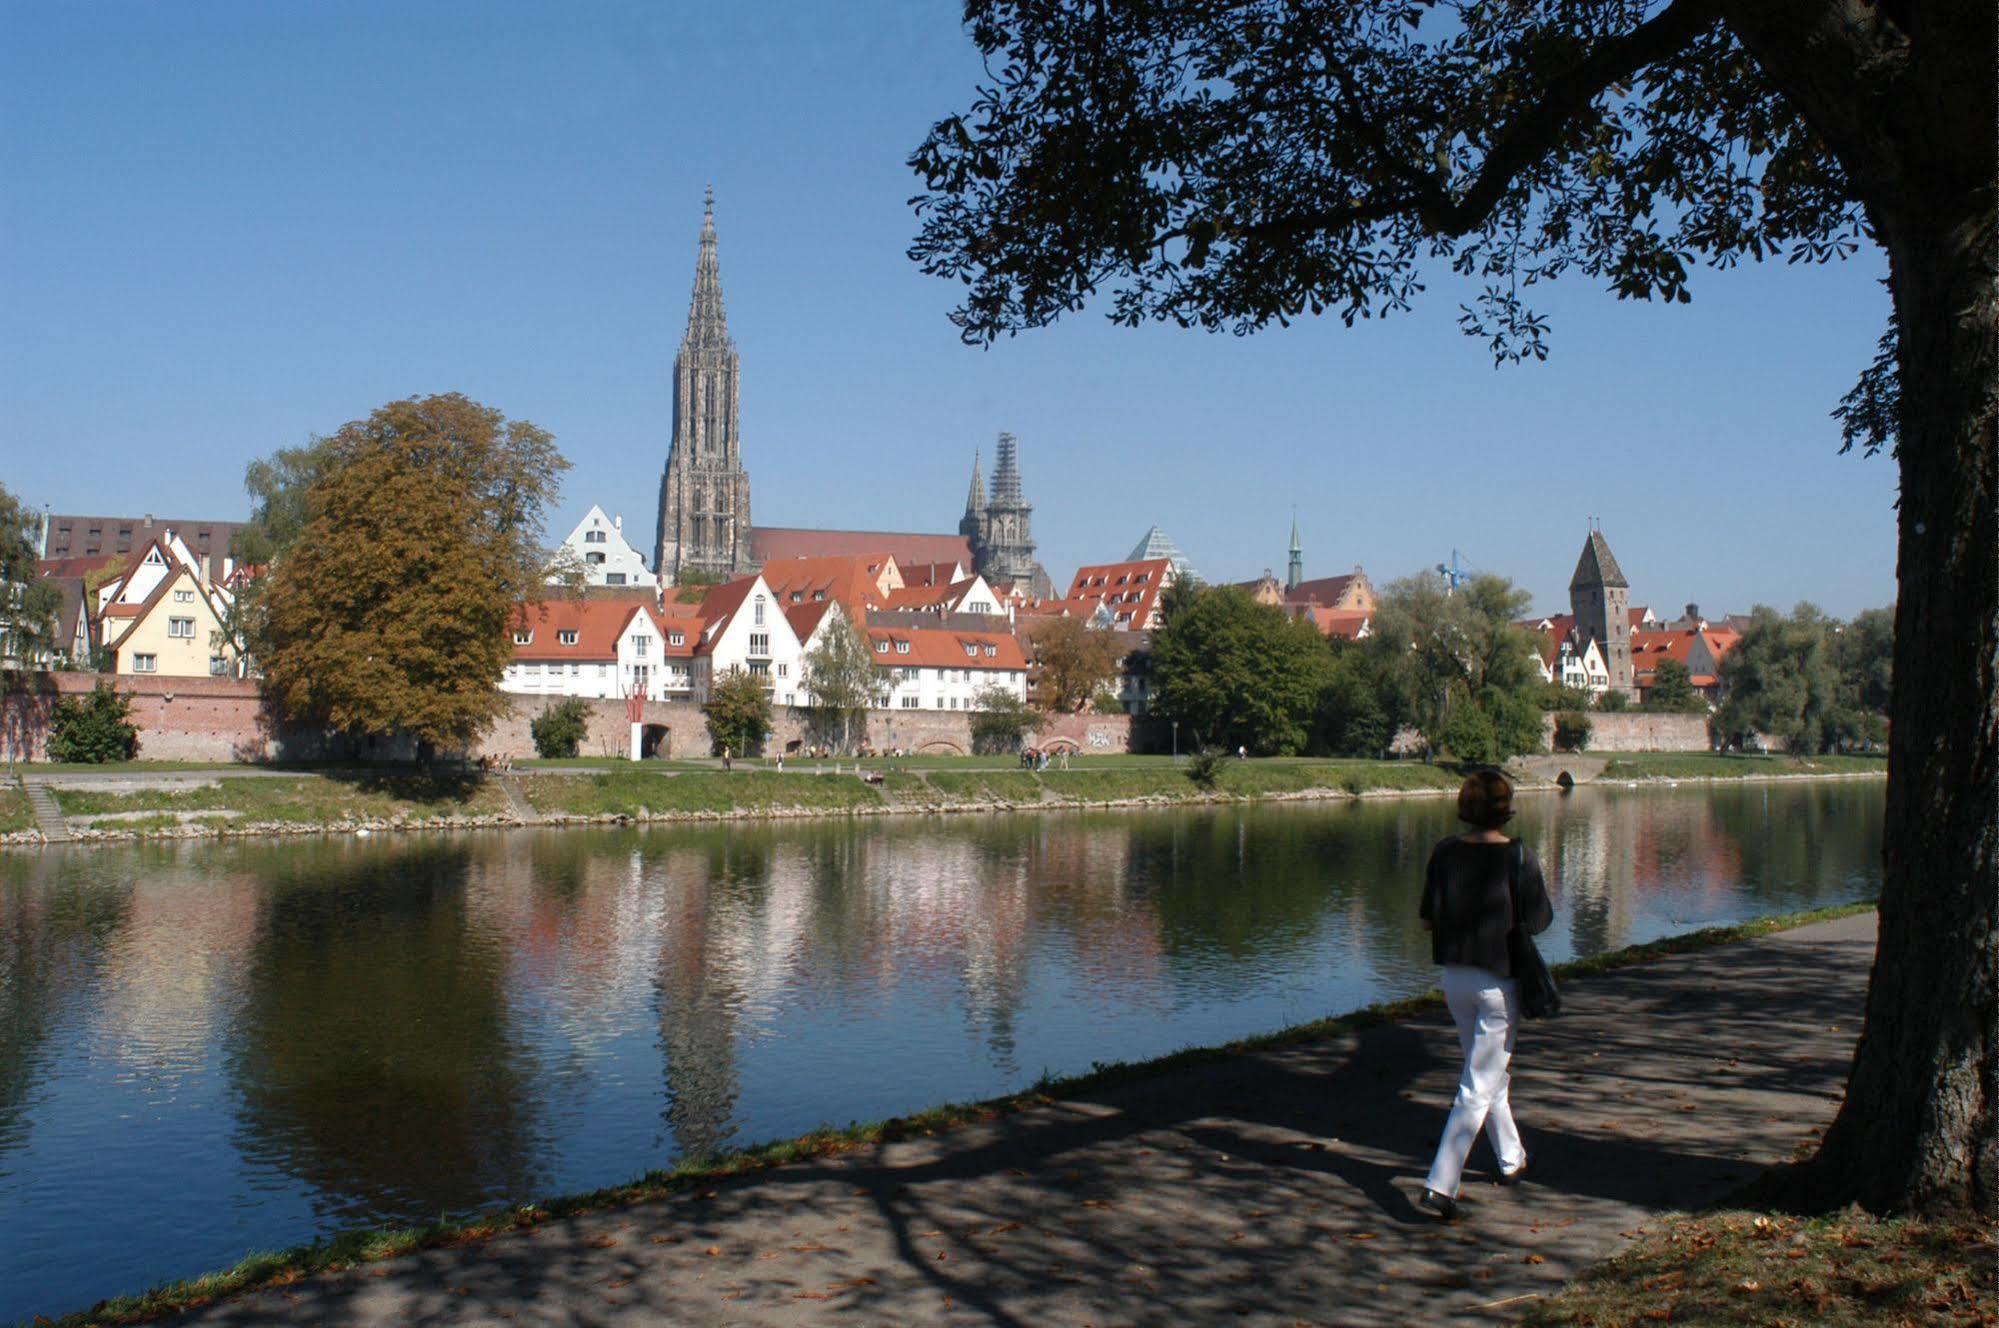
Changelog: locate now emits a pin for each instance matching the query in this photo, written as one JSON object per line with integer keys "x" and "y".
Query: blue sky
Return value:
{"x": 230, "y": 226}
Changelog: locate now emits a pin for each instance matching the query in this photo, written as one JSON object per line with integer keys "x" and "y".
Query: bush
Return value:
{"x": 1572, "y": 730}
{"x": 1000, "y": 723}
{"x": 1205, "y": 768}
{"x": 559, "y": 730}
{"x": 93, "y": 729}
{"x": 1612, "y": 702}
{"x": 1104, "y": 701}
{"x": 738, "y": 715}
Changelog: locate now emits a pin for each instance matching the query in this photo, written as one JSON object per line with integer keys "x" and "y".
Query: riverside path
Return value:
{"x": 1273, "y": 1188}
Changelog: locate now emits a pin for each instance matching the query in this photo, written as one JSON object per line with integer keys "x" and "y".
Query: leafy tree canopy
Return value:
{"x": 93, "y": 728}
{"x": 1239, "y": 673}
{"x": 1672, "y": 690}
{"x": 843, "y": 683}
{"x": 1785, "y": 679}
{"x": 1000, "y": 721}
{"x": 1441, "y": 648}
{"x": 390, "y": 610}
{"x": 559, "y": 730}
{"x": 28, "y": 603}
{"x": 738, "y": 714}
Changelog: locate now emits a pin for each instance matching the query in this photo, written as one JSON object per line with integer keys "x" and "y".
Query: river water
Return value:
{"x": 212, "y": 1048}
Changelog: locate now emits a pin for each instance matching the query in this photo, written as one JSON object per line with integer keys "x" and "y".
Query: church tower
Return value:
{"x": 704, "y": 496}
{"x": 1004, "y": 544}
{"x": 1296, "y": 572}
{"x": 972, "y": 525}
{"x": 1600, "y": 598}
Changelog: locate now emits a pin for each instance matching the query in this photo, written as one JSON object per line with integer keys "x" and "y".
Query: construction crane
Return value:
{"x": 1455, "y": 573}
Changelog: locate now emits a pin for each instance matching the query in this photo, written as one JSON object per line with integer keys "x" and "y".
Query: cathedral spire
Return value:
{"x": 707, "y": 323}
{"x": 975, "y": 497}
{"x": 1296, "y": 572}
{"x": 1006, "y": 473}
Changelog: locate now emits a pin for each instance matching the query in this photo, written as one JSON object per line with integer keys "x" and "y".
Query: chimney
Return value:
{"x": 618, "y": 522}
{"x": 149, "y": 521}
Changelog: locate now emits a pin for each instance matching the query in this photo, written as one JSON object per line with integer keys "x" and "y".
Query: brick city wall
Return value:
{"x": 1632, "y": 731}
{"x": 223, "y": 719}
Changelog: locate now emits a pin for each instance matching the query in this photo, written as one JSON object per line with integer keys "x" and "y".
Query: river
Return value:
{"x": 209, "y": 1048}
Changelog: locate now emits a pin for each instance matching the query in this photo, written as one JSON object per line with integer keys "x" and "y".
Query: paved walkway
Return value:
{"x": 1275, "y": 1189}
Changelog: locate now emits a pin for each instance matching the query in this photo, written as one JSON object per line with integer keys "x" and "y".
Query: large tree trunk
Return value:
{"x": 1905, "y": 96}
{"x": 1920, "y": 1126}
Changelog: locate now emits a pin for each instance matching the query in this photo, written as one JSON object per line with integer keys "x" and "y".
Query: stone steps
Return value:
{"x": 48, "y": 816}
{"x": 517, "y": 800}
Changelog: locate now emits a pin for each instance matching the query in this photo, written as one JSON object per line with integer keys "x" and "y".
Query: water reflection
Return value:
{"x": 239, "y": 1046}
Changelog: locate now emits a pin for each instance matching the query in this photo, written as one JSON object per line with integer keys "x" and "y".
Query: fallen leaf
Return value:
{"x": 1748, "y": 1284}
{"x": 714, "y": 1249}
{"x": 1533, "y": 1258}
{"x": 601, "y": 1242}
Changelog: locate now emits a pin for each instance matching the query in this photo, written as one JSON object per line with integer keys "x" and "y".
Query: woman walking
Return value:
{"x": 1479, "y": 886}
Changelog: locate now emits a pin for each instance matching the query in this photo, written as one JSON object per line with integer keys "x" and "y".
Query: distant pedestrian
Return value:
{"x": 726, "y": 761}
{"x": 1242, "y": 753}
{"x": 1469, "y": 907}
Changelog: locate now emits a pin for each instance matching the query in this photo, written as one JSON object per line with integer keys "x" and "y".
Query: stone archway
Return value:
{"x": 939, "y": 747}
{"x": 655, "y": 742}
{"x": 1055, "y": 745}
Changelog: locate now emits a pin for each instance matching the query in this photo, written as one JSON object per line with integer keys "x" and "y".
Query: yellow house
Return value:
{"x": 176, "y": 631}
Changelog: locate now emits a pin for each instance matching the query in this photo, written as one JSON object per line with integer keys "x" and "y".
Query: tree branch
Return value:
{"x": 1525, "y": 142}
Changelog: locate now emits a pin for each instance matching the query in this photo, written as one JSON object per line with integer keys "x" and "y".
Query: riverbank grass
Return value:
{"x": 1744, "y": 1268}
{"x": 15, "y": 813}
{"x": 323, "y": 799}
{"x": 637, "y": 793}
{"x": 1737, "y": 765}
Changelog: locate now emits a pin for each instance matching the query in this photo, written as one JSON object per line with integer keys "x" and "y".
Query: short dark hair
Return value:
{"x": 1486, "y": 799}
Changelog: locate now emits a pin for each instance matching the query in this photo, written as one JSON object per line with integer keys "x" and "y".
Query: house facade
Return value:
{"x": 164, "y": 616}
{"x": 940, "y": 669}
{"x": 597, "y": 551}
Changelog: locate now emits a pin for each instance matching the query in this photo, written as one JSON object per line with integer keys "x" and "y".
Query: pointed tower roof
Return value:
{"x": 975, "y": 497}
{"x": 1597, "y": 566}
{"x": 707, "y": 323}
{"x": 1297, "y": 546}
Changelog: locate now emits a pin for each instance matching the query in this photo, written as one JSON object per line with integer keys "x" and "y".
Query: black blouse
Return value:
{"x": 1468, "y": 902}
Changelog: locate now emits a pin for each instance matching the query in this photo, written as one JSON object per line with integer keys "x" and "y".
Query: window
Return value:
{"x": 818, "y": 595}
{"x": 614, "y": 578}
{"x": 759, "y": 618}
{"x": 181, "y": 627}
{"x": 594, "y": 558}
{"x": 760, "y": 643}
{"x": 902, "y": 647}
{"x": 145, "y": 663}
{"x": 593, "y": 537}
{"x": 573, "y": 670}
{"x": 971, "y": 650}
{"x": 523, "y": 638}
{"x": 183, "y": 597}
{"x": 760, "y": 667}
{"x": 797, "y": 595}
{"x": 784, "y": 670}
{"x": 676, "y": 639}
{"x": 909, "y": 703}
{"x": 567, "y": 636}
{"x": 217, "y": 666}
{"x": 641, "y": 646}
{"x": 992, "y": 651}
{"x": 881, "y": 647}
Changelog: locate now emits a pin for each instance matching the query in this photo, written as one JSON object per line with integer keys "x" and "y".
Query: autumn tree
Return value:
{"x": 1074, "y": 660}
{"x": 389, "y": 610}
{"x": 1230, "y": 166}
{"x": 843, "y": 683}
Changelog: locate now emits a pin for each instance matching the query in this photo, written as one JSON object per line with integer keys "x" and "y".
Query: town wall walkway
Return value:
{"x": 1276, "y": 1188}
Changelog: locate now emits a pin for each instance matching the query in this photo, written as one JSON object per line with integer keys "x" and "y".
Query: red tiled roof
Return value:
{"x": 928, "y": 574}
{"x": 79, "y": 566}
{"x": 1322, "y": 590}
{"x": 1130, "y": 590}
{"x": 598, "y": 624}
{"x": 804, "y": 618}
{"x": 772, "y": 543}
{"x": 941, "y": 648}
{"x": 1338, "y": 622}
{"x": 853, "y": 580}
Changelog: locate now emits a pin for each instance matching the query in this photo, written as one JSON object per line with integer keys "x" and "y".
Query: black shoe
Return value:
{"x": 1445, "y": 1207}
{"x": 1515, "y": 1176}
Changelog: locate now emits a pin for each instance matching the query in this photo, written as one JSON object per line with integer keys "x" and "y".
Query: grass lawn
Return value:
{"x": 14, "y": 811}
{"x": 1002, "y": 787}
{"x": 1744, "y": 1268}
{"x": 630, "y": 792}
{"x": 304, "y": 800}
{"x": 1731, "y": 765}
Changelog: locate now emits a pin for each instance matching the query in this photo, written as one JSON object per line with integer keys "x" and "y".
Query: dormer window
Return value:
{"x": 992, "y": 652}
{"x": 818, "y": 595}
{"x": 971, "y": 650}
{"x": 902, "y": 647}
{"x": 523, "y": 638}
{"x": 567, "y": 636}
{"x": 676, "y": 638}
{"x": 881, "y": 647}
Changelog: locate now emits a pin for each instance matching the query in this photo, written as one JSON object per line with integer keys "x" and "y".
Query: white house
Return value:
{"x": 598, "y": 549}
{"x": 936, "y": 668}
{"x": 599, "y": 649}
{"x": 744, "y": 628}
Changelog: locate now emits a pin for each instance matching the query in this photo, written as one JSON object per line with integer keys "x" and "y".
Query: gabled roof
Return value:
{"x": 1597, "y": 567}
{"x": 939, "y": 648}
{"x": 1321, "y": 590}
{"x": 76, "y": 567}
{"x": 599, "y": 624}
{"x": 930, "y": 574}
{"x": 1128, "y": 591}
{"x": 688, "y": 625}
{"x": 1349, "y": 623}
{"x": 855, "y": 581}
{"x": 805, "y": 618}
{"x": 130, "y": 613}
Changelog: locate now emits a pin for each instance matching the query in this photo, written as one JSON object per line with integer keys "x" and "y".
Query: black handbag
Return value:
{"x": 1539, "y": 998}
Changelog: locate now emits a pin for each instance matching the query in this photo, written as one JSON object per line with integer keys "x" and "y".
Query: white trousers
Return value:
{"x": 1486, "y": 1009}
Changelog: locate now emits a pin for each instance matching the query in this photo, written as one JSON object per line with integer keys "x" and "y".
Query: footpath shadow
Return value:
{"x": 1276, "y": 1188}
